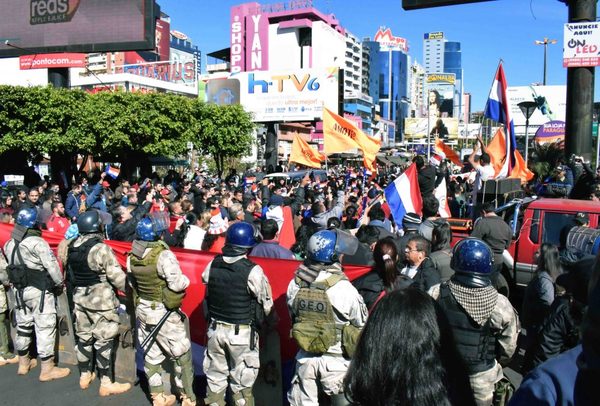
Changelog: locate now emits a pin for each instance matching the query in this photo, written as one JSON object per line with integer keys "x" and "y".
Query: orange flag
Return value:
{"x": 497, "y": 151}
{"x": 449, "y": 152}
{"x": 341, "y": 135}
{"x": 304, "y": 154}
{"x": 521, "y": 170}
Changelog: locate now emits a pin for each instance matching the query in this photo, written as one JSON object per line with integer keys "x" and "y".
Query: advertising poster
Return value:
{"x": 297, "y": 95}
{"x": 443, "y": 128}
{"x": 439, "y": 95}
{"x": 551, "y": 104}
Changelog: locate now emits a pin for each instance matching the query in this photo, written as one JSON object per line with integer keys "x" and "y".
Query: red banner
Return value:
{"x": 279, "y": 272}
{"x": 41, "y": 61}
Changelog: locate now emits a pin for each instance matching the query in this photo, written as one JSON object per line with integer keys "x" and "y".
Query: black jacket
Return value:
{"x": 126, "y": 231}
{"x": 369, "y": 286}
{"x": 560, "y": 332}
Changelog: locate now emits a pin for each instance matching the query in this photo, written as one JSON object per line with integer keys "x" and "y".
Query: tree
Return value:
{"x": 38, "y": 121}
{"x": 225, "y": 131}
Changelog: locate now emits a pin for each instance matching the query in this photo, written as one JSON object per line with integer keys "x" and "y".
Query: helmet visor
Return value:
{"x": 345, "y": 243}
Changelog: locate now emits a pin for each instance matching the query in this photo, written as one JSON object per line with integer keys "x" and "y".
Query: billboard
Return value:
{"x": 387, "y": 42}
{"x": 249, "y": 34}
{"x": 297, "y": 95}
{"x": 581, "y": 45}
{"x": 167, "y": 71}
{"x": 433, "y": 35}
{"x": 45, "y": 26}
{"x": 439, "y": 95}
{"x": 444, "y": 128}
{"x": 551, "y": 105}
{"x": 41, "y": 61}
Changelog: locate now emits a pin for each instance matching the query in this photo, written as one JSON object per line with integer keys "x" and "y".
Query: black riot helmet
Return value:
{"x": 89, "y": 222}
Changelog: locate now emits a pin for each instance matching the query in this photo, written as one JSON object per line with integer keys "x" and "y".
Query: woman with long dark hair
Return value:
{"x": 540, "y": 294}
{"x": 537, "y": 302}
{"x": 373, "y": 285}
{"x": 406, "y": 356}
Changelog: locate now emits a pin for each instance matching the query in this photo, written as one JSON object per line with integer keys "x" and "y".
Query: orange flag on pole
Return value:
{"x": 520, "y": 169}
{"x": 304, "y": 154}
{"x": 497, "y": 151}
{"x": 341, "y": 135}
{"x": 449, "y": 152}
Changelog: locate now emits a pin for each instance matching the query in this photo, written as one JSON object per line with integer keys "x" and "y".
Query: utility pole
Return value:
{"x": 580, "y": 91}
{"x": 545, "y": 43}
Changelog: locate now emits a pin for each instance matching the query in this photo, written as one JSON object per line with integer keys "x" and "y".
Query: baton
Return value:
{"x": 152, "y": 335}
{"x": 156, "y": 328}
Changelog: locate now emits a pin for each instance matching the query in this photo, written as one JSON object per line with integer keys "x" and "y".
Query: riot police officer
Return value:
{"x": 327, "y": 316}
{"x": 6, "y": 357}
{"x": 159, "y": 286}
{"x": 94, "y": 273}
{"x": 34, "y": 274}
{"x": 484, "y": 323}
{"x": 238, "y": 295}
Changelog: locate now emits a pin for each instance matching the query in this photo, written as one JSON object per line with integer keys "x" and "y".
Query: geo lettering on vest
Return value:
{"x": 312, "y": 306}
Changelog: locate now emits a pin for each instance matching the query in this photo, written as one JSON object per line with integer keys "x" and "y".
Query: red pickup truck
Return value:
{"x": 533, "y": 221}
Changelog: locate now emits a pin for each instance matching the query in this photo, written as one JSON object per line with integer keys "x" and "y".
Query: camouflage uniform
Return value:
{"x": 504, "y": 320}
{"x": 326, "y": 371}
{"x": 172, "y": 341}
{"x": 504, "y": 324}
{"x": 5, "y": 355}
{"x": 37, "y": 256}
{"x": 96, "y": 318}
{"x": 232, "y": 351}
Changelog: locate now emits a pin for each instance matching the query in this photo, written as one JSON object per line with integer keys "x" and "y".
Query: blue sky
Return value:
{"x": 488, "y": 31}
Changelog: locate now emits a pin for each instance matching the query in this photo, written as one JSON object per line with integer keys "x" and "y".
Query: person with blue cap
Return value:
{"x": 159, "y": 287}
{"x": 484, "y": 323}
{"x": 35, "y": 276}
{"x": 328, "y": 314}
{"x": 238, "y": 300}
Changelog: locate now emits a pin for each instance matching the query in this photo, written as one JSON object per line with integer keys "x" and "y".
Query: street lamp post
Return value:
{"x": 597, "y": 114}
{"x": 527, "y": 107}
{"x": 545, "y": 43}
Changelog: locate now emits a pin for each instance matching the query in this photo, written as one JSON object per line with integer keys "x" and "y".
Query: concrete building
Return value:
{"x": 443, "y": 56}
{"x": 389, "y": 78}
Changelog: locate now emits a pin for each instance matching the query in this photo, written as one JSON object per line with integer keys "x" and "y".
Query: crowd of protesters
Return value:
{"x": 416, "y": 253}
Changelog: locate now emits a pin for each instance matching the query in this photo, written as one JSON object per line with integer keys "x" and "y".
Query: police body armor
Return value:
{"x": 80, "y": 273}
{"x": 314, "y": 326}
{"x": 149, "y": 286}
{"x": 476, "y": 344}
{"x": 21, "y": 276}
{"x": 228, "y": 297}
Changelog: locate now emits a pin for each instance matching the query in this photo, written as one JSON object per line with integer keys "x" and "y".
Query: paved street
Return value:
{"x": 27, "y": 390}
{"x": 18, "y": 390}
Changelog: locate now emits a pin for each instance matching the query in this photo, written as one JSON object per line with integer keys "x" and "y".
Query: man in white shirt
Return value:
{"x": 483, "y": 171}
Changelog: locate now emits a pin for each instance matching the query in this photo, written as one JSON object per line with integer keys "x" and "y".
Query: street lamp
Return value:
{"x": 527, "y": 108}
{"x": 545, "y": 43}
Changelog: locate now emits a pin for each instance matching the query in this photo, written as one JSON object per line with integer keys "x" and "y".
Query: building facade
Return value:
{"x": 443, "y": 56}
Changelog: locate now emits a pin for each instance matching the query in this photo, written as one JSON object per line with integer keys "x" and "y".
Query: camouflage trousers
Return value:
{"x": 30, "y": 318}
{"x": 4, "y": 340}
{"x": 171, "y": 343}
{"x": 483, "y": 384}
{"x": 3, "y": 303}
{"x": 314, "y": 372}
{"x": 229, "y": 358}
{"x": 95, "y": 330}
